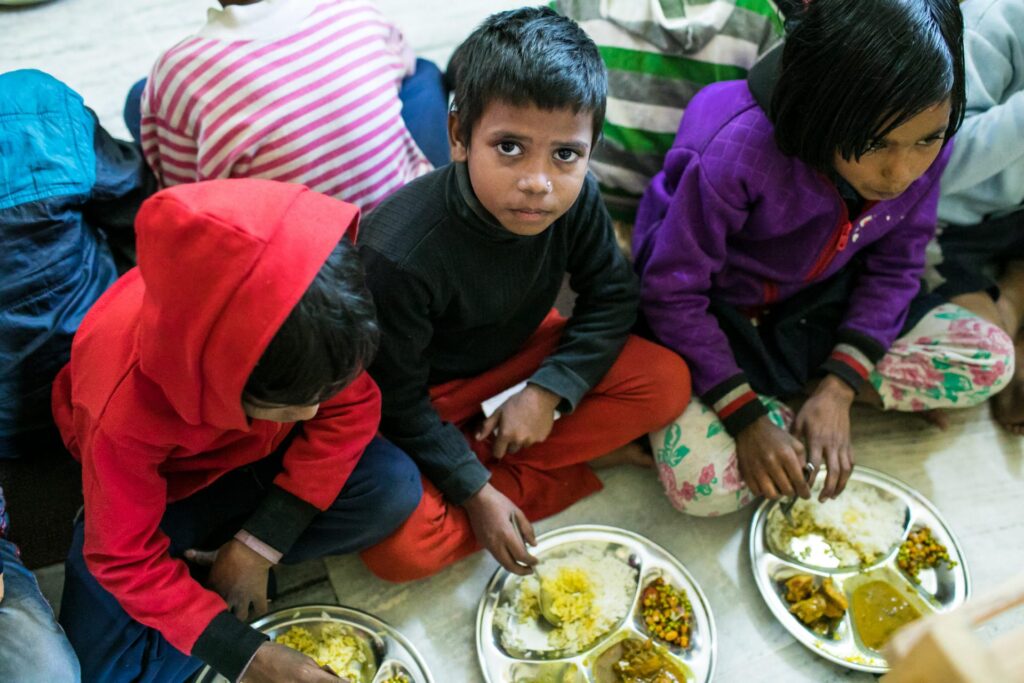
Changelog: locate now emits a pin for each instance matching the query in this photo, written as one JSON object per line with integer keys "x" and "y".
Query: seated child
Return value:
{"x": 465, "y": 265}
{"x": 304, "y": 91}
{"x": 659, "y": 53}
{"x": 217, "y": 400}
{"x": 981, "y": 209}
{"x": 781, "y": 248}
{"x": 33, "y": 648}
{"x": 68, "y": 190}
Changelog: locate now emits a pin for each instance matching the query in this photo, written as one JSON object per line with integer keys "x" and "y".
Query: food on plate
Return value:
{"x": 335, "y": 646}
{"x": 591, "y": 589}
{"x": 637, "y": 661}
{"x": 396, "y": 679}
{"x": 819, "y": 606}
{"x": 860, "y": 526}
{"x": 921, "y": 551}
{"x": 566, "y": 594}
{"x": 553, "y": 673}
{"x": 878, "y": 609}
{"x": 667, "y": 612}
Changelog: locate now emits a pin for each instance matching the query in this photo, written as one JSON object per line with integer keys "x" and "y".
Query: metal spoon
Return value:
{"x": 543, "y": 597}
{"x": 786, "y": 506}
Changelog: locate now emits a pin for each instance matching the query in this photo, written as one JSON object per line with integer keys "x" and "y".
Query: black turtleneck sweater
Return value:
{"x": 457, "y": 294}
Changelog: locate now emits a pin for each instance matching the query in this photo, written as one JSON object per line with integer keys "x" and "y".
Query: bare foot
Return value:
{"x": 938, "y": 417}
{"x": 630, "y": 454}
{"x": 1008, "y": 404}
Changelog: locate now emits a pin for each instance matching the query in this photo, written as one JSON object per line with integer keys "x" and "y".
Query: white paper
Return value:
{"x": 494, "y": 402}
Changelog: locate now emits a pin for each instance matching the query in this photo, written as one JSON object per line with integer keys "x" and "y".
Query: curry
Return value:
{"x": 637, "y": 661}
{"x": 878, "y": 610}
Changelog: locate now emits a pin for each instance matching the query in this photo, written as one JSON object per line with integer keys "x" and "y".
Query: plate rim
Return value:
{"x": 860, "y": 473}
{"x": 348, "y": 615}
{"x": 613, "y": 531}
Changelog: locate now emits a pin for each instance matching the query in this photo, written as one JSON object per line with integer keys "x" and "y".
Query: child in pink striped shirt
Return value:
{"x": 303, "y": 91}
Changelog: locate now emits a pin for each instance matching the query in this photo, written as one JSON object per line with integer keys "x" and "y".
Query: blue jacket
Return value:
{"x": 985, "y": 175}
{"x": 67, "y": 191}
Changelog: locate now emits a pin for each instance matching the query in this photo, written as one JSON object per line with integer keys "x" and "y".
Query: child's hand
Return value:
{"x": 1, "y": 587}
{"x": 239, "y": 575}
{"x": 502, "y": 528}
{"x": 771, "y": 460}
{"x": 521, "y": 421}
{"x": 823, "y": 423}
{"x": 274, "y": 663}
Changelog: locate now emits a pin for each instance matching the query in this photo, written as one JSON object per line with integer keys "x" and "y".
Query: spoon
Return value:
{"x": 786, "y": 506}
{"x": 543, "y": 596}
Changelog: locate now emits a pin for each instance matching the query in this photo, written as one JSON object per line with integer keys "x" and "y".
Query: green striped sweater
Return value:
{"x": 659, "y": 53}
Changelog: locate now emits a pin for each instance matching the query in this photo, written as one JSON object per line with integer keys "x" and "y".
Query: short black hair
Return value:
{"x": 328, "y": 338}
{"x": 854, "y": 70}
{"x": 530, "y": 55}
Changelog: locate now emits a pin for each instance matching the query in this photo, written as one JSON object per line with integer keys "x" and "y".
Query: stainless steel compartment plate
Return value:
{"x": 650, "y": 560}
{"x": 939, "y": 589}
{"x": 393, "y": 652}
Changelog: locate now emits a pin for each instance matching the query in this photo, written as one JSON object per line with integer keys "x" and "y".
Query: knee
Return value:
{"x": 399, "y": 486}
{"x": 709, "y": 495}
{"x": 392, "y": 560}
{"x": 668, "y": 377}
{"x": 36, "y": 648}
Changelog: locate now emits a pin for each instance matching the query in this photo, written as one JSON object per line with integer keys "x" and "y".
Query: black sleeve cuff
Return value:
{"x": 843, "y": 371}
{"x": 228, "y": 645}
{"x": 458, "y": 486}
{"x": 736, "y": 404}
{"x": 865, "y": 344}
{"x": 280, "y": 519}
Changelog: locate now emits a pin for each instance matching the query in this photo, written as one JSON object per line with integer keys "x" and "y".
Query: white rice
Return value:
{"x": 614, "y": 583}
{"x": 861, "y": 525}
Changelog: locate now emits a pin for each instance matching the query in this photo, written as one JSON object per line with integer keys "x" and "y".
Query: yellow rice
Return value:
{"x": 335, "y": 646}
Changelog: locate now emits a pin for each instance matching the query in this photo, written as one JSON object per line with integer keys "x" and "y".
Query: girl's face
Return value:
{"x": 892, "y": 163}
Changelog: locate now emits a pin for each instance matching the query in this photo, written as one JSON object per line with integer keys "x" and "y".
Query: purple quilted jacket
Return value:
{"x": 732, "y": 218}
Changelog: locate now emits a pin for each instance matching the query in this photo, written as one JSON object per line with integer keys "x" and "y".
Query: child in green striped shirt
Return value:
{"x": 659, "y": 53}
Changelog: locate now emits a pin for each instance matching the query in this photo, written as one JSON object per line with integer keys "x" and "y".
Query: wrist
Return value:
{"x": 255, "y": 546}
{"x": 836, "y": 389}
{"x": 478, "y": 499}
{"x": 549, "y": 398}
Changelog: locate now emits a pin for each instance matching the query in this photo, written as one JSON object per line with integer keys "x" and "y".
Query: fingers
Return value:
{"x": 846, "y": 463}
{"x": 501, "y": 445}
{"x": 203, "y": 558}
{"x": 793, "y": 460}
{"x": 489, "y": 425}
{"x": 832, "y": 476}
{"x": 260, "y": 605}
{"x": 525, "y": 528}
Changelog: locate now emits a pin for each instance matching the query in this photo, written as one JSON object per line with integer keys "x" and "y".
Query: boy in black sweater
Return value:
{"x": 465, "y": 264}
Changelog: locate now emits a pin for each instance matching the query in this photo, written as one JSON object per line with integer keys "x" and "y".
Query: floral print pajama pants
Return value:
{"x": 951, "y": 359}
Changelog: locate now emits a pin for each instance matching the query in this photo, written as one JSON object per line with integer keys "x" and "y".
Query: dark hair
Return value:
{"x": 854, "y": 70}
{"x": 527, "y": 56}
{"x": 326, "y": 340}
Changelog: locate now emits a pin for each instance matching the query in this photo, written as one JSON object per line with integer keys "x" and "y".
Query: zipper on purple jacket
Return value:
{"x": 840, "y": 238}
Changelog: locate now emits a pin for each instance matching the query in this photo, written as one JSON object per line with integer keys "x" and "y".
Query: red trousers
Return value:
{"x": 646, "y": 388}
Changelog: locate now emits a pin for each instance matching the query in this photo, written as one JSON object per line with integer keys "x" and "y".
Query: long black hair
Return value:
{"x": 854, "y": 70}
{"x": 327, "y": 339}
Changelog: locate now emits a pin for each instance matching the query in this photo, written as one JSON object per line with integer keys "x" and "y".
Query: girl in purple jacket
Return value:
{"x": 780, "y": 251}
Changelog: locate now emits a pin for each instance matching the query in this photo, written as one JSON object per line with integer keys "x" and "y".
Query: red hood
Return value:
{"x": 224, "y": 262}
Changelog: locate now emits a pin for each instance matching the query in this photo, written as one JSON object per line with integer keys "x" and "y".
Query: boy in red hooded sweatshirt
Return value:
{"x": 217, "y": 401}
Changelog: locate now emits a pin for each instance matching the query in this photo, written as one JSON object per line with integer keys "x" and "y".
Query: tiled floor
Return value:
{"x": 974, "y": 473}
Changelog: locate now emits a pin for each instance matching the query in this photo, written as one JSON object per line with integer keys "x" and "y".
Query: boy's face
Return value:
{"x": 272, "y": 412}
{"x": 901, "y": 157}
{"x": 526, "y": 164}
